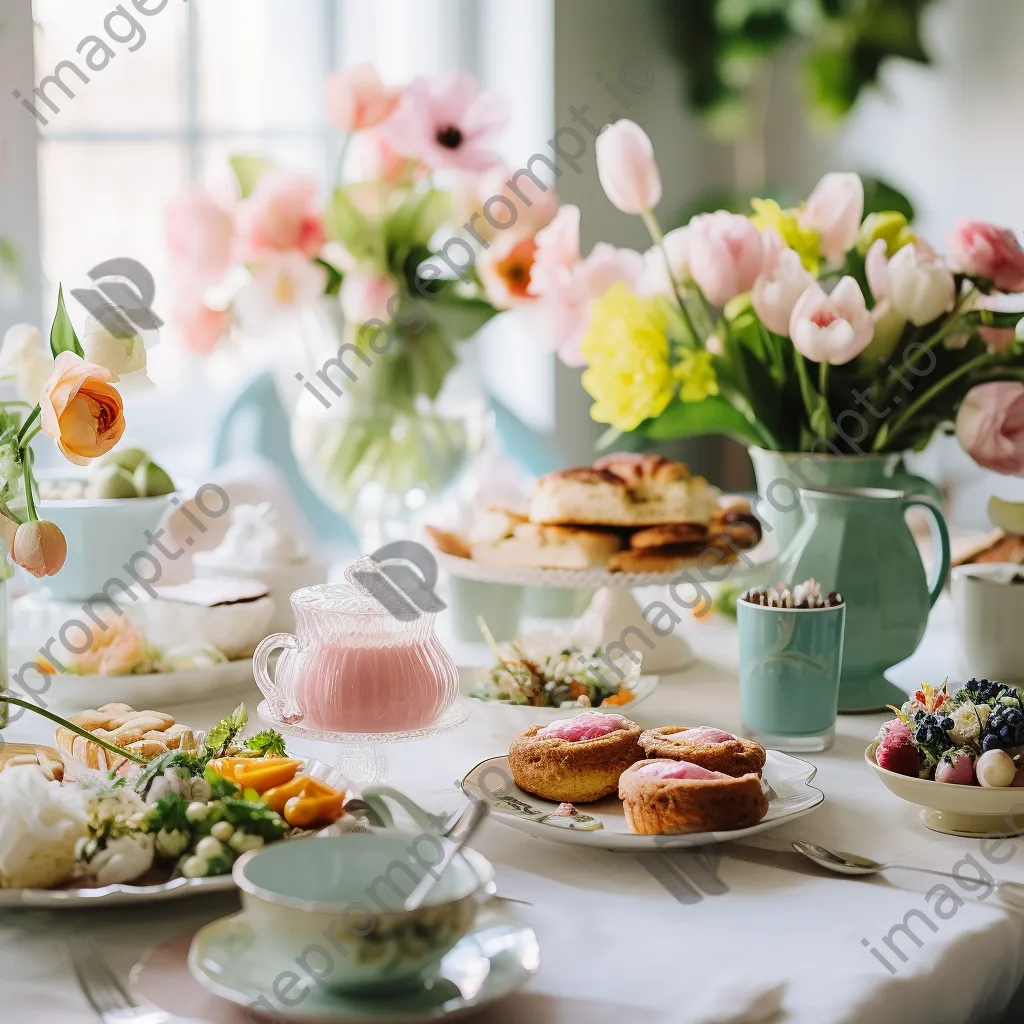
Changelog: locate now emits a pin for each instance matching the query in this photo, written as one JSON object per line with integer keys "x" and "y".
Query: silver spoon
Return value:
{"x": 473, "y": 819}
{"x": 852, "y": 864}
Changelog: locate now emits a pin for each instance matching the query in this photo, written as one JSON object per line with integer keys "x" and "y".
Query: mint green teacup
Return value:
{"x": 333, "y": 905}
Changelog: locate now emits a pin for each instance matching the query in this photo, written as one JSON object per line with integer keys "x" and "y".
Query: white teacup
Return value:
{"x": 989, "y": 616}
{"x": 334, "y": 905}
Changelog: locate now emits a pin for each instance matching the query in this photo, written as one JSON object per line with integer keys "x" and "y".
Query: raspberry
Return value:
{"x": 899, "y": 756}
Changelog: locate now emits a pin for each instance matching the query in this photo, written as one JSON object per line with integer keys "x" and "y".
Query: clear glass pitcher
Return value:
{"x": 353, "y": 665}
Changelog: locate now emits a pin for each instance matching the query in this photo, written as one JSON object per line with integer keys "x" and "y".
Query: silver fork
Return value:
{"x": 107, "y": 996}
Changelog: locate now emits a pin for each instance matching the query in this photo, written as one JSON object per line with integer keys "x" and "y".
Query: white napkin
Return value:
{"x": 736, "y": 999}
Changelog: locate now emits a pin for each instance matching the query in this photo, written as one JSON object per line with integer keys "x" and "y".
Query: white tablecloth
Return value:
{"x": 762, "y": 927}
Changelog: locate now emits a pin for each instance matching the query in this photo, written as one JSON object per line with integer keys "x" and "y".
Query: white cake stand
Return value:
{"x": 363, "y": 756}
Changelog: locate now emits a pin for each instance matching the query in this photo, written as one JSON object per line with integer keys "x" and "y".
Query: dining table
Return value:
{"x": 750, "y": 931}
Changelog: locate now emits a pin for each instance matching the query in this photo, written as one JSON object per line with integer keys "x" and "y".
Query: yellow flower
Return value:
{"x": 890, "y": 226}
{"x": 768, "y": 214}
{"x": 626, "y": 348}
{"x": 697, "y": 374}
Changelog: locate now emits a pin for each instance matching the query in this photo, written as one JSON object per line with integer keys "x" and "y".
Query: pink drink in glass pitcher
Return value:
{"x": 353, "y": 667}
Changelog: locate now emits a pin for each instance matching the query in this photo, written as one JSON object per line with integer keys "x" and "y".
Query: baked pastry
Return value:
{"x": 575, "y": 760}
{"x": 670, "y": 558}
{"x": 702, "y": 745}
{"x": 149, "y": 733}
{"x": 672, "y": 797}
{"x": 449, "y": 543}
{"x": 996, "y": 547}
{"x": 46, "y": 759}
{"x": 735, "y": 525}
{"x": 625, "y": 489}
{"x": 233, "y": 615}
{"x": 500, "y": 537}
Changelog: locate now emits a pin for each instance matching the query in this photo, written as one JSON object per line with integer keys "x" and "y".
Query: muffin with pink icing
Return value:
{"x": 670, "y": 797}
{"x": 711, "y": 748}
{"x": 575, "y": 760}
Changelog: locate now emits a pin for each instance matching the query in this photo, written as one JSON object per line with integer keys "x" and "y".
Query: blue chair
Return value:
{"x": 256, "y": 423}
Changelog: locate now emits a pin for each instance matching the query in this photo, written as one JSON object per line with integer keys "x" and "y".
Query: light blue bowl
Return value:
{"x": 104, "y": 536}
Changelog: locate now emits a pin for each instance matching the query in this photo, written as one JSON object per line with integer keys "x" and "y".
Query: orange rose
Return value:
{"x": 81, "y": 410}
{"x": 40, "y": 548}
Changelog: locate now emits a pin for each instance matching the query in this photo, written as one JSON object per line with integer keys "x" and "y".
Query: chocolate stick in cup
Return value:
{"x": 802, "y": 595}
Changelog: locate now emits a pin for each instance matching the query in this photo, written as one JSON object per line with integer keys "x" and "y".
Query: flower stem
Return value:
{"x": 884, "y": 437}
{"x": 26, "y": 473}
{"x": 29, "y": 706}
{"x": 32, "y": 416}
{"x": 823, "y": 379}
{"x": 654, "y": 229}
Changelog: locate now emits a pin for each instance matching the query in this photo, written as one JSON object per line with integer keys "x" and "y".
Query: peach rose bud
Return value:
{"x": 626, "y": 167}
{"x": 39, "y": 548}
{"x": 81, "y": 409}
{"x": 356, "y": 99}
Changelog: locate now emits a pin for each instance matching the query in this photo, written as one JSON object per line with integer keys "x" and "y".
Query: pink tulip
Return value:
{"x": 990, "y": 426}
{"x": 365, "y": 297}
{"x": 566, "y": 286}
{"x": 626, "y": 167}
{"x": 280, "y": 216}
{"x": 658, "y": 275}
{"x": 447, "y": 123}
{"x": 831, "y": 328}
{"x": 376, "y": 160}
{"x": 200, "y": 235}
{"x": 876, "y": 269}
{"x": 200, "y": 326}
{"x": 989, "y": 253}
{"x": 356, "y": 99}
{"x": 725, "y": 255}
{"x": 520, "y": 212}
{"x": 834, "y": 209}
{"x": 783, "y": 279}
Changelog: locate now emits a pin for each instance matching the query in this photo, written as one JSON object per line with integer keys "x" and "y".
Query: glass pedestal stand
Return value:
{"x": 363, "y": 756}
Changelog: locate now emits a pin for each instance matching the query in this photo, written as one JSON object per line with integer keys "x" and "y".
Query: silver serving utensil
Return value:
{"x": 108, "y": 997}
{"x": 473, "y": 819}
{"x": 852, "y": 864}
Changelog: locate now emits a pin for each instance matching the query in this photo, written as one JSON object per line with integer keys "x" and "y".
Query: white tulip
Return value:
{"x": 920, "y": 285}
{"x": 655, "y": 278}
{"x": 25, "y": 358}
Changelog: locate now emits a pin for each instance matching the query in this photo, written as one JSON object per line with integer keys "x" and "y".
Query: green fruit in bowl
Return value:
{"x": 111, "y": 481}
{"x": 151, "y": 480}
{"x": 1007, "y": 515}
{"x": 127, "y": 458}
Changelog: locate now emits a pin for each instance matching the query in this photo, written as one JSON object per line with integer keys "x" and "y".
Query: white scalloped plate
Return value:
{"x": 68, "y": 693}
{"x": 786, "y": 779}
{"x": 115, "y": 895}
{"x": 580, "y": 579}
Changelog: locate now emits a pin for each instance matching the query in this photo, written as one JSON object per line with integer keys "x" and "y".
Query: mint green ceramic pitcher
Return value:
{"x": 856, "y": 540}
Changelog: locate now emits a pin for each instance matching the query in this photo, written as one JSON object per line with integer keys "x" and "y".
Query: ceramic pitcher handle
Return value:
{"x": 940, "y": 540}
{"x": 374, "y": 797}
{"x": 282, "y": 704}
{"x": 916, "y": 486}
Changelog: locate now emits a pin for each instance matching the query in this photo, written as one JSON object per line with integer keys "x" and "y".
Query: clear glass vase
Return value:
{"x": 4, "y": 677}
{"x": 387, "y": 448}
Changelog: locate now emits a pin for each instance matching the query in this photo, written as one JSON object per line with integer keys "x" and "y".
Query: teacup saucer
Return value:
{"x": 231, "y": 960}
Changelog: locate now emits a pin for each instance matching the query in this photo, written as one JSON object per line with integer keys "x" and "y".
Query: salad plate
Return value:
{"x": 786, "y": 781}
{"x": 68, "y": 692}
{"x": 122, "y": 894}
{"x": 521, "y": 716}
{"x": 497, "y": 956}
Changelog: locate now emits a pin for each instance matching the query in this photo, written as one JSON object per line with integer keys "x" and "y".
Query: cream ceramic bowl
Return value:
{"x": 970, "y": 811}
{"x": 344, "y": 895}
{"x": 989, "y": 611}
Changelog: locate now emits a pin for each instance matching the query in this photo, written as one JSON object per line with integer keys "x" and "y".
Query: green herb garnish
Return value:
{"x": 267, "y": 743}
{"x": 220, "y": 737}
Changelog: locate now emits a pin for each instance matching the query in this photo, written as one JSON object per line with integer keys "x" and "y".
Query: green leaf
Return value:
{"x": 248, "y": 171}
{"x": 267, "y": 743}
{"x": 993, "y": 318}
{"x": 712, "y": 415}
{"x": 219, "y": 738}
{"x": 334, "y": 276}
{"x": 363, "y": 237}
{"x": 62, "y": 333}
{"x": 460, "y": 318}
{"x": 416, "y": 220}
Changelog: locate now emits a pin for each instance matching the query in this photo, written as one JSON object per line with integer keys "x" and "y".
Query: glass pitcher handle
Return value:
{"x": 940, "y": 541}
{"x": 283, "y": 705}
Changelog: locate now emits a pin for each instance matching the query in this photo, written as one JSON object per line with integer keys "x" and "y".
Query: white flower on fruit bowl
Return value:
{"x": 23, "y": 357}
{"x": 125, "y": 356}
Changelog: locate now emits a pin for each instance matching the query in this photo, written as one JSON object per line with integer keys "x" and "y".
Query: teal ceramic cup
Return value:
{"x": 790, "y": 663}
{"x": 341, "y": 898}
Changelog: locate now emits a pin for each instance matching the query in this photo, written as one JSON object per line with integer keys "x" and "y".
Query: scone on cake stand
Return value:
{"x": 628, "y": 521}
